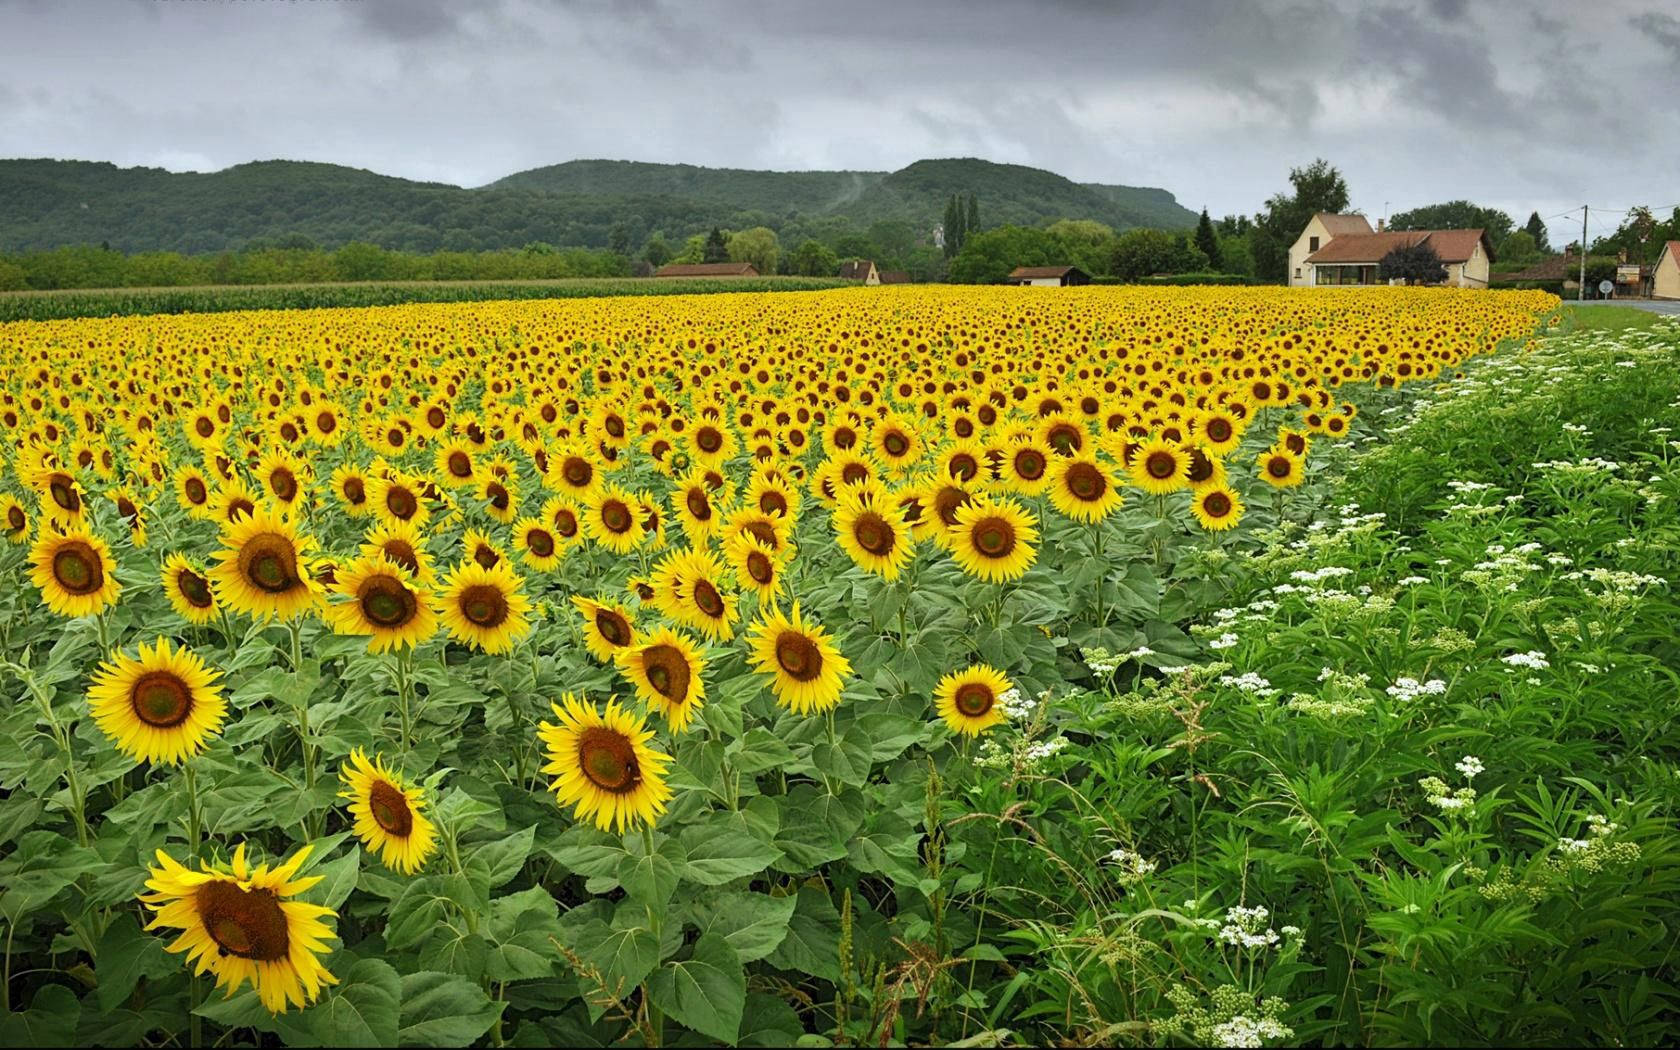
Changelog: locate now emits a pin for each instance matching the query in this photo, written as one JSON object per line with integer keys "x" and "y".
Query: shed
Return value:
{"x": 1048, "y": 276}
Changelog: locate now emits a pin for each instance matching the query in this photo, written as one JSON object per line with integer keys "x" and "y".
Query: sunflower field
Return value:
{"x": 913, "y": 665}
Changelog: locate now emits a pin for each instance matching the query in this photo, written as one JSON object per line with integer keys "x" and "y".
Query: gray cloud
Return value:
{"x": 1416, "y": 100}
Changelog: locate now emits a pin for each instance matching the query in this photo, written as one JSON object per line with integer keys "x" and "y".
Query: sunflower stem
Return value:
{"x": 1102, "y": 573}
{"x": 405, "y": 693}
{"x": 195, "y": 814}
{"x": 104, "y": 632}
{"x": 296, "y": 630}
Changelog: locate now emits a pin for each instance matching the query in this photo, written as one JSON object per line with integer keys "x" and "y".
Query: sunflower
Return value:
{"x": 1081, "y": 488}
{"x": 350, "y": 484}
{"x": 384, "y": 602}
{"x": 398, "y": 498}
{"x": 602, "y": 765}
{"x": 1025, "y": 467}
{"x": 14, "y": 519}
{"x": 757, "y": 568}
{"x": 610, "y": 519}
{"x": 501, "y": 498}
{"x": 241, "y": 924}
{"x": 993, "y": 539}
{"x": 193, "y": 490}
{"x": 1219, "y": 430}
{"x": 74, "y": 572}
{"x": 261, "y": 571}
{"x": 454, "y": 460}
{"x": 689, "y": 588}
{"x": 572, "y": 473}
{"x": 968, "y": 700}
{"x": 233, "y": 500}
{"x": 1279, "y": 468}
{"x": 806, "y": 668}
{"x": 665, "y": 669}
{"x": 484, "y": 606}
{"x": 538, "y": 546}
{"x": 162, "y": 707}
{"x": 404, "y": 544}
{"x": 283, "y": 475}
{"x": 131, "y": 512}
{"x": 61, "y": 496}
{"x": 188, "y": 589}
{"x": 873, "y": 533}
{"x": 387, "y": 813}
{"x": 480, "y": 548}
{"x": 1160, "y": 466}
{"x": 1216, "y": 508}
{"x": 607, "y": 627}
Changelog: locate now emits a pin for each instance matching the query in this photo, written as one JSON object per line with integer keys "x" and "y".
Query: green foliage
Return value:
{"x": 1141, "y": 253}
{"x": 1519, "y": 249}
{"x": 1455, "y": 215}
{"x": 715, "y": 248}
{"x": 1641, "y": 234}
{"x": 758, "y": 246}
{"x": 1536, "y": 229}
{"x": 1207, "y": 242}
{"x": 814, "y": 259}
{"x": 1315, "y": 188}
{"x": 1414, "y": 264}
{"x": 988, "y": 257}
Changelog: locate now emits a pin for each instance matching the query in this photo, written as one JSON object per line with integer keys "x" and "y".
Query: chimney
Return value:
{"x": 1379, "y": 225}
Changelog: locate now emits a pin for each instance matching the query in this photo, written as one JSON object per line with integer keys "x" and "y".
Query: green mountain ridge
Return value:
{"x": 45, "y": 204}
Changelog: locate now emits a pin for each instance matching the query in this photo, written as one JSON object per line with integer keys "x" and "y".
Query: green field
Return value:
{"x": 122, "y": 302}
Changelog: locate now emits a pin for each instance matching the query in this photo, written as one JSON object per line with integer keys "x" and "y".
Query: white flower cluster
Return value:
{"x": 1245, "y": 1031}
{"x": 1469, "y": 765}
{"x": 1582, "y": 468}
{"x": 1130, "y": 867}
{"x": 1250, "y": 683}
{"x": 1101, "y": 662}
{"x": 1247, "y": 928}
{"x": 1224, "y": 641}
{"x": 1444, "y": 798}
{"x": 1534, "y": 660}
{"x": 1619, "y": 580}
{"x": 1411, "y": 581}
{"x": 1328, "y": 572}
{"x": 1405, "y": 689}
{"x": 1464, "y": 488}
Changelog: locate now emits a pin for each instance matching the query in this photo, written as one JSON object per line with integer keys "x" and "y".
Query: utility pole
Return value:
{"x": 1581, "y": 292}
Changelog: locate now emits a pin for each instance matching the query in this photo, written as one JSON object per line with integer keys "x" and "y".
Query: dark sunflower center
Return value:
{"x": 76, "y": 568}
{"x": 16, "y": 519}
{"x": 246, "y": 923}
{"x": 1086, "y": 482}
{"x": 402, "y": 552}
{"x": 707, "y": 598}
{"x": 204, "y": 427}
{"x": 763, "y": 532}
{"x": 946, "y": 503}
{"x": 1216, "y": 505}
{"x": 845, "y": 438}
{"x": 964, "y": 466}
{"x": 268, "y": 562}
{"x": 699, "y": 507}
{"x": 760, "y": 568}
{"x": 874, "y": 534}
{"x": 1201, "y": 467}
{"x": 772, "y": 502}
{"x": 485, "y": 556}
{"x": 390, "y": 809}
{"x": 540, "y": 542}
{"x": 709, "y": 439}
{"x": 484, "y": 605}
{"x": 240, "y": 507}
{"x": 895, "y": 443}
{"x": 460, "y": 464}
{"x": 616, "y": 516}
{"x": 401, "y": 503}
{"x": 326, "y": 422}
{"x": 355, "y": 490}
{"x": 1029, "y": 464}
{"x": 994, "y": 537}
{"x": 974, "y": 699}
{"x": 284, "y": 484}
{"x": 1065, "y": 438}
{"x": 612, "y": 627}
{"x": 852, "y": 473}
{"x": 577, "y": 471}
{"x": 160, "y": 699}
{"x": 128, "y": 510}
{"x": 1218, "y": 430}
{"x": 608, "y": 760}
{"x": 798, "y": 656}
{"x": 1280, "y": 466}
{"x": 386, "y": 602}
{"x": 565, "y": 523}
{"x": 196, "y": 492}
{"x": 64, "y": 493}
{"x": 435, "y": 418}
{"x": 193, "y": 587}
{"x": 498, "y": 495}
{"x": 1161, "y": 465}
{"x": 667, "y": 671}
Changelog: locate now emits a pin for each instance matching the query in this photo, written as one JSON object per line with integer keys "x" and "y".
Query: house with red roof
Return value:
{"x": 1345, "y": 250}
{"x": 1665, "y": 276}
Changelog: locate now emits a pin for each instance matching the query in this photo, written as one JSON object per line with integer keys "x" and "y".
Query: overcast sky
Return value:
{"x": 1518, "y": 105}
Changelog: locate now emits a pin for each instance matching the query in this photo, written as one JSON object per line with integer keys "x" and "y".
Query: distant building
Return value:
{"x": 895, "y": 277}
{"x": 1048, "y": 276}
{"x": 729, "y": 269}
{"x": 1565, "y": 268}
{"x": 938, "y": 234}
{"x": 1665, "y": 278}
{"x": 1353, "y": 251}
{"x": 860, "y": 270}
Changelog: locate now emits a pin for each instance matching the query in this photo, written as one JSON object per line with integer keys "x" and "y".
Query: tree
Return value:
{"x": 956, "y": 219}
{"x": 1415, "y": 264}
{"x": 1087, "y": 244}
{"x": 1519, "y": 248}
{"x": 1208, "y": 242}
{"x": 987, "y": 258}
{"x": 716, "y": 249}
{"x": 1139, "y": 253}
{"x": 971, "y": 216}
{"x": 1537, "y": 230}
{"x": 814, "y": 259}
{"x": 1317, "y": 187}
{"x": 1455, "y": 215}
{"x": 758, "y": 246}
{"x": 618, "y": 238}
{"x": 657, "y": 252}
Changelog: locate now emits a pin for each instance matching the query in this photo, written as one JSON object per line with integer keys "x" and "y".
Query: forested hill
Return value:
{"x": 48, "y": 203}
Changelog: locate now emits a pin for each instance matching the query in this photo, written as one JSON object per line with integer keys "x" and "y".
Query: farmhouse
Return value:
{"x": 1048, "y": 276}
{"x": 1344, "y": 250}
{"x": 1665, "y": 278}
{"x": 725, "y": 269}
{"x": 860, "y": 270}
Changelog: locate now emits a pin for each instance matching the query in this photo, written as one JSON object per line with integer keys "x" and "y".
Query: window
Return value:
{"x": 1297, "y": 273}
{"x": 1312, "y": 244}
